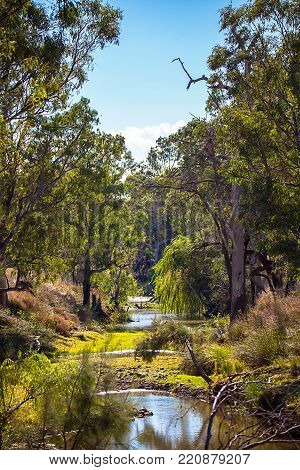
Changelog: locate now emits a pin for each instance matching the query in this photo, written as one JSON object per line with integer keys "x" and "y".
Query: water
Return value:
{"x": 180, "y": 424}
{"x": 143, "y": 319}
{"x": 176, "y": 424}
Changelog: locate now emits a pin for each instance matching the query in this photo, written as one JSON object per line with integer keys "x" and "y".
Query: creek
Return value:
{"x": 173, "y": 422}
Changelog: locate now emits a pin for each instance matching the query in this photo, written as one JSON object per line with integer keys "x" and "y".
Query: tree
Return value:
{"x": 259, "y": 109}
{"x": 36, "y": 174}
{"x": 188, "y": 276}
{"x": 98, "y": 192}
{"x": 199, "y": 159}
{"x": 45, "y": 54}
{"x": 253, "y": 98}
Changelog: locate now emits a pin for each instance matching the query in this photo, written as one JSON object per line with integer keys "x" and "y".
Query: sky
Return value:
{"x": 135, "y": 87}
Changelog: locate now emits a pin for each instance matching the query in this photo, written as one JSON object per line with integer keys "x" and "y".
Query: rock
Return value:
{"x": 142, "y": 413}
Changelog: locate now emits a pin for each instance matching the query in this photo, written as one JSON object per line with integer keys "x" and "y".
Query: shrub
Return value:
{"x": 95, "y": 326}
{"x": 219, "y": 359}
{"x": 58, "y": 403}
{"x": 262, "y": 347}
{"x": 61, "y": 321}
{"x": 20, "y": 335}
{"x": 293, "y": 343}
{"x": 14, "y": 343}
{"x": 238, "y": 330}
{"x": 220, "y": 325}
{"x": 276, "y": 311}
{"x": 23, "y": 300}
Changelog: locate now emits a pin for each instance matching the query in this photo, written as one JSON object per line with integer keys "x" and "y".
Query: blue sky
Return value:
{"x": 135, "y": 87}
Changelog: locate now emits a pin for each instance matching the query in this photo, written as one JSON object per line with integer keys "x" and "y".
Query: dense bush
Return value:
{"x": 262, "y": 347}
{"x": 20, "y": 336}
{"x": 43, "y": 403}
{"x": 271, "y": 330}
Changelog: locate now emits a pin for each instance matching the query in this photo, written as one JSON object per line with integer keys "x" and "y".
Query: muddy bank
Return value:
{"x": 126, "y": 380}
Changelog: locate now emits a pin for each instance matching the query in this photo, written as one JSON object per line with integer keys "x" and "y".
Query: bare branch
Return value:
{"x": 192, "y": 80}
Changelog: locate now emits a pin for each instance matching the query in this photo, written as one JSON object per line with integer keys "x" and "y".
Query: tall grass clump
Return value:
{"x": 262, "y": 347}
{"x": 270, "y": 331}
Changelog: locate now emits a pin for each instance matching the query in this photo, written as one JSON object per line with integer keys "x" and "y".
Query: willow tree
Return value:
{"x": 186, "y": 277}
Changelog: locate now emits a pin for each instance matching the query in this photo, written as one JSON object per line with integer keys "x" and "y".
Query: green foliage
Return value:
{"x": 166, "y": 334}
{"x": 182, "y": 279}
{"x": 219, "y": 359}
{"x": 262, "y": 347}
{"x": 19, "y": 336}
{"x": 259, "y": 65}
{"x": 123, "y": 233}
{"x": 49, "y": 148}
{"x": 39, "y": 401}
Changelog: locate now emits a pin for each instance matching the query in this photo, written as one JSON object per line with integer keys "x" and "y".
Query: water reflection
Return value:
{"x": 176, "y": 424}
{"x": 143, "y": 319}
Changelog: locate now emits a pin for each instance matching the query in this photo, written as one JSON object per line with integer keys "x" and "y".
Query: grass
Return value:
{"x": 94, "y": 342}
{"x": 163, "y": 370}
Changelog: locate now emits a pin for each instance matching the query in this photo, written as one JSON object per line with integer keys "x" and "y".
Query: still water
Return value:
{"x": 176, "y": 423}
{"x": 143, "y": 319}
{"x": 181, "y": 424}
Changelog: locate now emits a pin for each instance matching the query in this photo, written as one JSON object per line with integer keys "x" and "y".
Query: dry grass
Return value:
{"x": 270, "y": 332}
{"x": 276, "y": 311}
{"x": 53, "y": 306}
{"x": 25, "y": 301}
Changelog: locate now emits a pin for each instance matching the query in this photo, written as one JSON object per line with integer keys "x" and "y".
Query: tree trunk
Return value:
{"x": 155, "y": 230}
{"x": 87, "y": 282}
{"x": 238, "y": 260}
{"x": 227, "y": 261}
{"x": 196, "y": 363}
{"x": 3, "y": 295}
{"x": 238, "y": 298}
{"x": 117, "y": 291}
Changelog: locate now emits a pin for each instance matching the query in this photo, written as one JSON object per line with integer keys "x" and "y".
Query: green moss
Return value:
{"x": 91, "y": 341}
{"x": 163, "y": 370}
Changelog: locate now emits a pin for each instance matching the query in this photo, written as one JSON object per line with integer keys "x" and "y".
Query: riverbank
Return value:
{"x": 84, "y": 342}
{"x": 163, "y": 373}
{"x": 253, "y": 365}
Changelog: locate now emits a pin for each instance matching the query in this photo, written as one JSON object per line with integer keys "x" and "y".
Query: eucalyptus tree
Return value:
{"x": 259, "y": 111}
{"x": 37, "y": 172}
{"x": 197, "y": 171}
{"x": 98, "y": 194}
{"x": 253, "y": 99}
{"x": 46, "y": 51}
{"x": 125, "y": 230}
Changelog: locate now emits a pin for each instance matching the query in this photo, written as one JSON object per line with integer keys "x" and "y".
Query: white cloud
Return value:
{"x": 140, "y": 139}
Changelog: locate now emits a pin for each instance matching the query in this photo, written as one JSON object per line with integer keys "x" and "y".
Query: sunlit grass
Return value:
{"x": 163, "y": 370}
{"x": 94, "y": 342}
